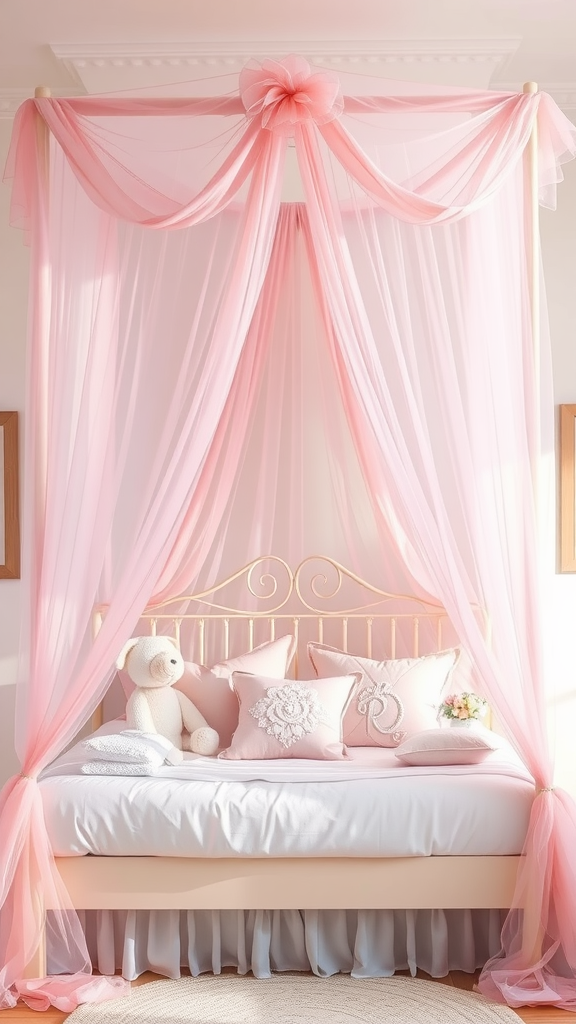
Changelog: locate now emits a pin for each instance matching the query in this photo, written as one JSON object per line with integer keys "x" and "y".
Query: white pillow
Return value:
{"x": 446, "y": 746}
{"x": 131, "y": 746}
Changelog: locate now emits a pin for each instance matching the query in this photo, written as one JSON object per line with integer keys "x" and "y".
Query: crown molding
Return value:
{"x": 77, "y": 58}
{"x": 234, "y": 52}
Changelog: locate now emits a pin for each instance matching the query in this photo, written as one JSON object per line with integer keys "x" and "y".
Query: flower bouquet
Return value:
{"x": 463, "y": 708}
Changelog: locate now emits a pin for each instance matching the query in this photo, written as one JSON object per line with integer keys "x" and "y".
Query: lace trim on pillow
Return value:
{"x": 289, "y": 712}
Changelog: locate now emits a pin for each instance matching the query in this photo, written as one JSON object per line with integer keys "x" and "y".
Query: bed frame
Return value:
{"x": 307, "y": 602}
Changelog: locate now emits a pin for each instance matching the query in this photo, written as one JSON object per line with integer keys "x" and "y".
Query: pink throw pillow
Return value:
{"x": 210, "y": 689}
{"x": 290, "y": 718}
{"x": 394, "y": 698}
{"x": 446, "y": 746}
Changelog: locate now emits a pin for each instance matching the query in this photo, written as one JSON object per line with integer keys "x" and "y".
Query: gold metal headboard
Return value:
{"x": 319, "y": 596}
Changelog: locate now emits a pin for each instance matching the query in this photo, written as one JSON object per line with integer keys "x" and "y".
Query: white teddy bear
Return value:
{"x": 154, "y": 663}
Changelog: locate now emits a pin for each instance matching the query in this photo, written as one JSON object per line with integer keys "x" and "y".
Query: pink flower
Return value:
{"x": 463, "y": 706}
{"x": 286, "y": 93}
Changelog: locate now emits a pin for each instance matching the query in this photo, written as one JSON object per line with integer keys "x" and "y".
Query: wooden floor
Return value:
{"x": 535, "y": 1015}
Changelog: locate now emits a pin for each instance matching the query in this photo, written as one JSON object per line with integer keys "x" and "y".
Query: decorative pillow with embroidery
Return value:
{"x": 394, "y": 698}
{"x": 290, "y": 718}
{"x": 210, "y": 689}
{"x": 446, "y": 746}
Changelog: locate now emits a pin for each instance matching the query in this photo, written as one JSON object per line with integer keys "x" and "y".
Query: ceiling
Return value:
{"x": 75, "y": 47}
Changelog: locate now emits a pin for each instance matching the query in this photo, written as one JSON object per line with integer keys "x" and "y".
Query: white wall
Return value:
{"x": 559, "y": 254}
{"x": 558, "y": 230}
{"x": 13, "y": 292}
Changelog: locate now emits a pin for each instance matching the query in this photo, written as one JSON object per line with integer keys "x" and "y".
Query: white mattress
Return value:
{"x": 368, "y": 807}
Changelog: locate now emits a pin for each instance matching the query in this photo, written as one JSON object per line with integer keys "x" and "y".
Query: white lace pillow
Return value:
{"x": 446, "y": 746}
{"x": 395, "y": 698}
{"x": 289, "y": 718}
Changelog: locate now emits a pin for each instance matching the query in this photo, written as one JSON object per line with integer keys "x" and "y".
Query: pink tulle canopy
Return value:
{"x": 332, "y": 353}
{"x": 285, "y": 94}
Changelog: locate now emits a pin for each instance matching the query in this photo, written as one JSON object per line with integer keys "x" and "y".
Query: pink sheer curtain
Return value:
{"x": 290, "y": 483}
{"x": 125, "y": 447}
{"x": 487, "y": 490}
{"x": 106, "y": 417}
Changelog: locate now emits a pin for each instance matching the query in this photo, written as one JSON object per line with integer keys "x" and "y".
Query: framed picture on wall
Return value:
{"x": 567, "y": 488}
{"x": 9, "y": 497}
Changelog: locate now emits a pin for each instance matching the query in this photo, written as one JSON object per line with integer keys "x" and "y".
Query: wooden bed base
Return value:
{"x": 319, "y": 883}
{"x": 300, "y": 883}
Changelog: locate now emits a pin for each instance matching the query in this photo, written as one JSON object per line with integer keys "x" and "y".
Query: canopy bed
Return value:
{"x": 228, "y": 358}
{"x": 256, "y": 872}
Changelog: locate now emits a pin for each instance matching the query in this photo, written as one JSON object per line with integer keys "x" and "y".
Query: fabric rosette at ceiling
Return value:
{"x": 213, "y": 374}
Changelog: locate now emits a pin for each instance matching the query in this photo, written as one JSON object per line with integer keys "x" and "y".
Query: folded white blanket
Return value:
{"x": 130, "y": 746}
{"x": 116, "y": 768}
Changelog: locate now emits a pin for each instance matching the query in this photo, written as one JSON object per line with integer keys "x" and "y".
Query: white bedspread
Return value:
{"x": 369, "y": 806}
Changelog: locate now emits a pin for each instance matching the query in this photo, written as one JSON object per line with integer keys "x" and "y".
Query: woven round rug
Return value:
{"x": 295, "y": 999}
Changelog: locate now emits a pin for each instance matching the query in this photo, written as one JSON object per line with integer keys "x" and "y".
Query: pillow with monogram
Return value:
{"x": 210, "y": 689}
{"x": 289, "y": 717}
{"x": 394, "y": 699}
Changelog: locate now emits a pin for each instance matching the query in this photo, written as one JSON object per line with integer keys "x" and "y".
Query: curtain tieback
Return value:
{"x": 32, "y": 778}
{"x": 545, "y": 789}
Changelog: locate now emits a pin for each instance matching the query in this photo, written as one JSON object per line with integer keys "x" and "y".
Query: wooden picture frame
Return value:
{"x": 567, "y": 521}
{"x": 9, "y": 498}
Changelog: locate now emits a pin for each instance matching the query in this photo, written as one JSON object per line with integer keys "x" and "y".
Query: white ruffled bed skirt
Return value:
{"x": 364, "y": 943}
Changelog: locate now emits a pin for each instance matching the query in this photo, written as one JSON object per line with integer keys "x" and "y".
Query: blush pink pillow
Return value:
{"x": 210, "y": 689}
{"x": 289, "y": 718}
{"x": 394, "y": 698}
{"x": 446, "y": 746}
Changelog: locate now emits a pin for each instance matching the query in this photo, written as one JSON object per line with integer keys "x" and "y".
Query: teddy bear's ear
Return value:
{"x": 121, "y": 659}
{"x": 173, "y": 641}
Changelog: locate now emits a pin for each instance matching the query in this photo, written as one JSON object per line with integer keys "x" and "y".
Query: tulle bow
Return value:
{"x": 286, "y": 93}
